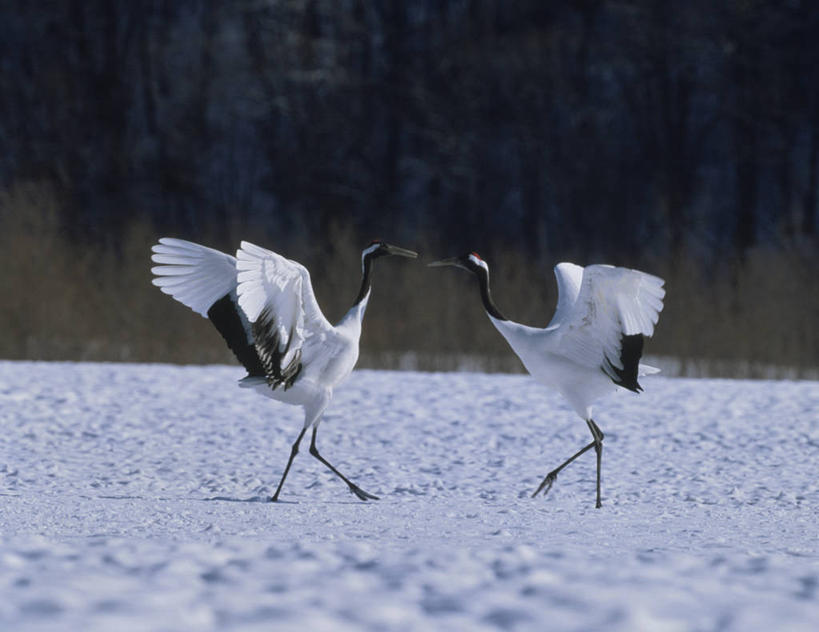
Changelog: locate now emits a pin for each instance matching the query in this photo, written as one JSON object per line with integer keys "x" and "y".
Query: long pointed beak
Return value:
{"x": 401, "y": 252}
{"x": 451, "y": 261}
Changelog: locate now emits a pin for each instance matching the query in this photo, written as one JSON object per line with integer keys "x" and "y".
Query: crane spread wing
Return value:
{"x": 277, "y": 298}
{"x": 204, "y": 279}
{"x": 614, "y": 309}
{"x": 194, "y": 275}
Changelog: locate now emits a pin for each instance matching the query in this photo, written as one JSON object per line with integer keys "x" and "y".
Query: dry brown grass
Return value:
{"x": 63, "y": 302}
{"x": 762, "y": 312}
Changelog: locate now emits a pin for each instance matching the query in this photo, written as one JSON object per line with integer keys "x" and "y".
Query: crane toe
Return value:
{"x": 355, "y": 489}
{"x": 546, "y": 485}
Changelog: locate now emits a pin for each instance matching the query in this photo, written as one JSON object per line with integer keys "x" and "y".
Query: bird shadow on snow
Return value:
{"x": 265, "y": 500}
{"x": 252, "y": 499}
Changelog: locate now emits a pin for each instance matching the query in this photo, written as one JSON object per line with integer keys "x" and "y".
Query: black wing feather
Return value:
{"x": 270, "y": 353}
{"x": 224, "y": 314}
{"x": 631, "y": 349}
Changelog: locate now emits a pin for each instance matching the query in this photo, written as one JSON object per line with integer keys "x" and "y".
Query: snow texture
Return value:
{"x": 131, "y": 498}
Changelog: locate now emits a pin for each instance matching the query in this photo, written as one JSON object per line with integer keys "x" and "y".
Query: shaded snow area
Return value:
{"x": 132, "y": 498}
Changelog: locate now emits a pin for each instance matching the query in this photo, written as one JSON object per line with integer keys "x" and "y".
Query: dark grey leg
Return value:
{"x": 546, "y": 485}
{"x": 597, "y": 444}
{"x": 293, "y": 452}
{"x": 353, "y": 487}
{"x": 598, "y": 447}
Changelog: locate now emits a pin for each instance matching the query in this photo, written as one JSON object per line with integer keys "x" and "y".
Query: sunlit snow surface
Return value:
{"x": 131, "y": 498}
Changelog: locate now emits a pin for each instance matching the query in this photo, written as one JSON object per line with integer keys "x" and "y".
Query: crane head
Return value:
{"x": 470, "y": 261}
{"x": 378, "y": 248}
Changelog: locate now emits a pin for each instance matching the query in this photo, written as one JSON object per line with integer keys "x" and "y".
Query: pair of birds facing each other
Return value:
{"x": 264, "y": 307}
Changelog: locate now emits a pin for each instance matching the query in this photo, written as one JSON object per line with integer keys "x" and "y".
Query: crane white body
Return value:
{"x": 257, "y": 280}
{"x": 269, "y": 283}
{"x": 594, "y": 341}
{"x": 264, "y": 306}
{"x": 580, "y": 385}
{"x": 314, "y": 389}
{"x": 572, "y": 353}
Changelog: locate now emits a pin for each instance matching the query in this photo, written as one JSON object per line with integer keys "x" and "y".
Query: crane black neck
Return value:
{"x": 367, "y": 266}
{"x": 486, "y": 296}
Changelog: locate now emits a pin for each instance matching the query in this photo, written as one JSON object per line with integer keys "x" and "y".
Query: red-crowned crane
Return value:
{"x": 593, "y": 343}
{"x": 264, "y": 307}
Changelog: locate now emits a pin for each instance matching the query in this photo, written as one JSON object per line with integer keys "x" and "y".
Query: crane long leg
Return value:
{"x": 597, "y": 444}
{"x": 293, "y": 452}
{"x": 546, "y": 484}
{"x": 598, "y": 447}
{"x": 353, "y": 487}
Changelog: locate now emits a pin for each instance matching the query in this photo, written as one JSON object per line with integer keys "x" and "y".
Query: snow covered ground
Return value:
{"x": 131, "y": 498}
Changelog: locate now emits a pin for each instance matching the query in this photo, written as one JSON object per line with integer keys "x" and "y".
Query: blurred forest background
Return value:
{"x": 679, "y": 137}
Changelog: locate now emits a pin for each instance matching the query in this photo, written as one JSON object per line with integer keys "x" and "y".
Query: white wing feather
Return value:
{"x": 196, "y": 276}
{"x": 612, "y": 302}
{"x": 277, "y": 289}
{"x": 569, "y": 277}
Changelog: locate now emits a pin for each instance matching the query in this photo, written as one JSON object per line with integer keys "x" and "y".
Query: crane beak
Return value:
{"x": 401, "y": 252}
{"x": 451, "y": 261}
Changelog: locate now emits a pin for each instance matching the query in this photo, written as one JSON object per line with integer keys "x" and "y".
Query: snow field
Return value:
{"x": 132, "y": 497}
